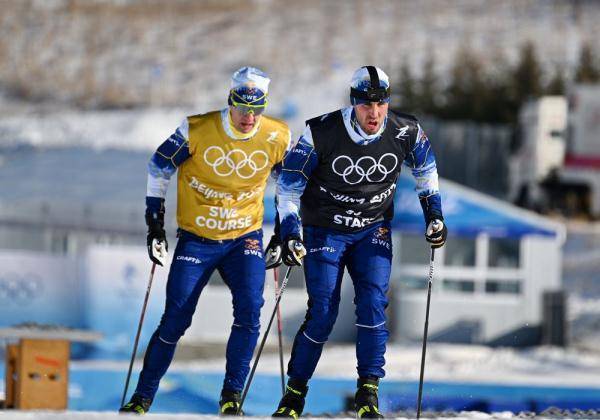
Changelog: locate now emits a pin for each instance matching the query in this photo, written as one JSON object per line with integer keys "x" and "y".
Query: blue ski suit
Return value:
{"x": 221, "y": 183}
{"x": 338, "y": 184}
{"x": 194, "y": 261}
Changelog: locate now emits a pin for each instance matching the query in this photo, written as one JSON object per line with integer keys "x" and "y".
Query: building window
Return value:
{"x": 412, "y": 282}
{"x": 460, "y": 252}
{"x": 504, "y": 253}
{"x": 464, "y": 286}
{"x": 59, "y": 243}
{"x": 512, "y": 287}
{"x": 414, "y": 249}
{"x": 30, "y": 238}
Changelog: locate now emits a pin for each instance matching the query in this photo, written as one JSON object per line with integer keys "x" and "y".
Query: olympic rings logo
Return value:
{"x": 20, "y": 290}
{"x": 224, "y": 164}
{"x": 365, "y": 167}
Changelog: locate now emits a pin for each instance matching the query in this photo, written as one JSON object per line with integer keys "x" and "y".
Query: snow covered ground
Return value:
{"x": 545, "y": 367}
{"x": 109, "y": 416}
{"x": 512, "y": 374}
{"x": 445, "y": 362}
{"x": 122, "y": 130}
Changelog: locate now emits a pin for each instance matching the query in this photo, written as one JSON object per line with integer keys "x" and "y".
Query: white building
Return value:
{"x": 557, "y": 167}
{"x": 490, "y": 276}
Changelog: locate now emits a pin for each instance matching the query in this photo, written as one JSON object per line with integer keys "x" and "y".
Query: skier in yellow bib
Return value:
{"x": 223, "y": 159}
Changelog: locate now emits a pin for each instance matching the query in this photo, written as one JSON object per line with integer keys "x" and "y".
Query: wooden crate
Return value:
{"x": 37, "y": 374}
{"x": 12, "y": 352}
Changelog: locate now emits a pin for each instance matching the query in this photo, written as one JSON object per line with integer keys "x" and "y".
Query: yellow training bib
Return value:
{"x": 220, "y": 188}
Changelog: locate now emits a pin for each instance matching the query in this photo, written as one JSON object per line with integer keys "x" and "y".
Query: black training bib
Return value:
{"x": 353, "y": 185}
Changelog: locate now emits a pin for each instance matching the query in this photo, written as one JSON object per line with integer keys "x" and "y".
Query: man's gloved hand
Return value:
{"x": 293, "y": 251}
{"x": 273, "y": 253}
{"x": 157, "y": 239}
{"x": 436, "y": 233}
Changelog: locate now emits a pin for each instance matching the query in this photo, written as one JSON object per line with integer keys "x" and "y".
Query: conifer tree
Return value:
{"x": 465, "y": 93}
{"x": 587, "y": 69}
{"x": 556, "y": 85}
{"x": 497, "y": 92}
{"x": 428, "y": 91}
{"x": 404, "y": 92}
{"x": 527, "y": 75}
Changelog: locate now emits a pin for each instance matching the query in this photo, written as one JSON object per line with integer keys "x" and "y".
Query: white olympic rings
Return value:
{"x": 225, "y": 164}
{"x": 363, "y": 172}
{"x": 19, "y": 289}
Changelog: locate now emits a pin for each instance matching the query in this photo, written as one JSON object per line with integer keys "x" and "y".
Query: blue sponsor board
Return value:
{"x": 114, "y": 297}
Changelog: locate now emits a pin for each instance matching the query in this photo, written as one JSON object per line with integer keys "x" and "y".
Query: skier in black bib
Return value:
{"x": 338, "y": 185}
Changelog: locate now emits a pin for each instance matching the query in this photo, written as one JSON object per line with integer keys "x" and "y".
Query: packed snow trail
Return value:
{"x": 463, "y": 415}
{"x": 72, "y": 415}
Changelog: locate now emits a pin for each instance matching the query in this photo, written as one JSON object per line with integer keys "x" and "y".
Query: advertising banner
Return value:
{"x": 39, "y": 288}
{"x": 117, "y": 280}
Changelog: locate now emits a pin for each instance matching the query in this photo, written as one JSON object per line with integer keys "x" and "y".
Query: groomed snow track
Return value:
{"x": 551, "y": 413}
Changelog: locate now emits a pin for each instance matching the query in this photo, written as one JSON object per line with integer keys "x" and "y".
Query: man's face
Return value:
{"x": 243, "y": 122}
{"x": 371, "y": 115}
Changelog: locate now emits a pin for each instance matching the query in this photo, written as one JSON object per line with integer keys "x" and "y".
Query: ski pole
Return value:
{"x": 425, "y": 334}
{"x": 137, "y": 336}
{"x": 279, "y": 332}
{"x": 264, "y": 339}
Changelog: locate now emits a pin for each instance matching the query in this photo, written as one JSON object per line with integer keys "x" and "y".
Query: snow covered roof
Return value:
{"x": 468, "y": 213}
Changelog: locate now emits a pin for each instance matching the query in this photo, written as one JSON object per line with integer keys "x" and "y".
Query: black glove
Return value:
{"x": 436, "y": 233}
{"x": 293, "y": 251}
{"x": 273, "y": 253}
{"x": 156, "y": 240}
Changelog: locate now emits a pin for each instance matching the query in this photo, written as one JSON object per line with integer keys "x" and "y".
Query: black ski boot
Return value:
{"x": 137, "y": 404}
{"x": 292, "y": 403}
{"x": 229, "y": 405}
{"x": 366, "y": 402}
